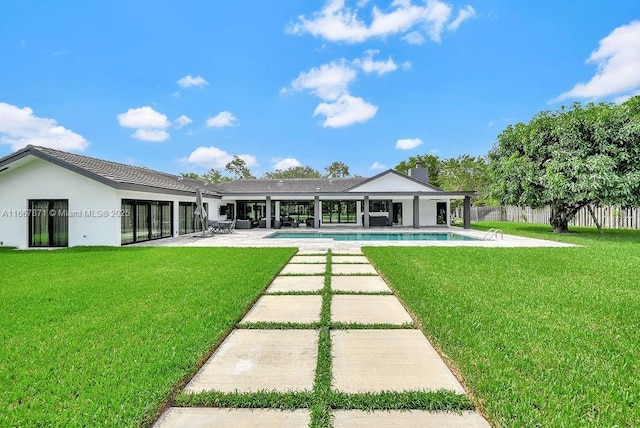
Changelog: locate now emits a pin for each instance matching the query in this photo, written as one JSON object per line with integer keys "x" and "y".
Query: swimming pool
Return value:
{"x": 372, "y": 236}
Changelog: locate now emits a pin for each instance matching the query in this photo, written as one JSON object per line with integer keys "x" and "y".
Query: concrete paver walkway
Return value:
{"x": 364, "y": 359}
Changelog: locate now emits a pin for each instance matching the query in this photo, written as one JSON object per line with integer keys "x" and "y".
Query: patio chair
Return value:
{"x": 213, "y": 226}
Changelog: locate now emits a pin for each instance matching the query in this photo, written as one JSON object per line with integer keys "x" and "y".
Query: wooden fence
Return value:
{"x": 609, "y": 217}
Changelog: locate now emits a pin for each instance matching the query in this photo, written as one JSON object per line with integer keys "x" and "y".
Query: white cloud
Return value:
{"x": 408, "y": 143}
{"x": 368, "y": 65}
{"x": 377, "y": 166}
{"x": 153, "y": 135}
{"x": 182, "y": 121}
{"x": 19, "y": 128}
{"x": 463, "y": 14}
{"x": 338, "y": 23}
{"x": 286, "y": 163}
{"x": 189, "y": 80}
{"x": 222, "y": 119}
{"x": 345, "y": 111}
{"x": 618, "y": 62}
{"x": 414, "y": 38}
{"x": 150, "y": 124}
{"x": 143, "y": 117}
{"x": 328, "y": 81}
{"x": 213, "y": 157}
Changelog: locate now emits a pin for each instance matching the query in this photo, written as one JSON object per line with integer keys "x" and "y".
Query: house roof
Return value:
{"x": 290, "y": 185}
{"x": 427, "y": 186}
{"x": 128, "y": 177}
{"x": 117, "y": 175}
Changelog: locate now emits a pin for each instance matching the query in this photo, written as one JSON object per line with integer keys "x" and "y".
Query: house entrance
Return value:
{"x": 397, "y": 213}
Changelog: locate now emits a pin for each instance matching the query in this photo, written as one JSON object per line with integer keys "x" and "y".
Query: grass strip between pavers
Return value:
{"x": 440, "y": 400}
{"x": 272, "y": 325}
{"x": 320, "y": 409}
{"x": 380, "y": 326}
{"x": 362, "y": 293}
{"x": 293, "y": 293}
{"x": 247, "y": 400}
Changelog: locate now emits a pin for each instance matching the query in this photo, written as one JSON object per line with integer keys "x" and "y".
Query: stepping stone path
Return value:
{"x": 375, "y": 347}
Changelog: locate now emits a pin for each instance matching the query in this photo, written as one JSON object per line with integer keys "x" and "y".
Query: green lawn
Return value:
{"x": 102, "y": 336}
{"x": 542, "y": 336}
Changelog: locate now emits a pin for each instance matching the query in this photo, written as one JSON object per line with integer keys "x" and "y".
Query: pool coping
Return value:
{"x": 256, "y": 238}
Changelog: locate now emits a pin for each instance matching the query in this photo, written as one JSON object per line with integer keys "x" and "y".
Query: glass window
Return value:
{"x": 187, "y": 219}
{"x": 339, "y": 212}
{"x": 126, "y": 222}
{"x": 378, "y": 206}
{"x": 49, "y": 223}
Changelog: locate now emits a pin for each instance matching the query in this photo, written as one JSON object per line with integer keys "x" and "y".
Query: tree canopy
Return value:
{"x": 238, "y": 167}
{"x": 569, "y": 159}
{"x": 467, "y": 173}
{"x": 431, "y": 162}
{"x": 294, "y": 172}
{"x": 337, "y": 170}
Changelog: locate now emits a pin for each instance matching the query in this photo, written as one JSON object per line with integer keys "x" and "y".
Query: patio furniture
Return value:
{"x": 225, "y": 227}
{"x": 212, "y": 226}
{"x": 243, "y": 224}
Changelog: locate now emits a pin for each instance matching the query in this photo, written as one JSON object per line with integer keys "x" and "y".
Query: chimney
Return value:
{"x": 419, "y": 173}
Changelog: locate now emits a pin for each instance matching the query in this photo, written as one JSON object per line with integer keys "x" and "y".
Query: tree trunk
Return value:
{"x": 559, "y": 219}
{"x": 595, "y": 219}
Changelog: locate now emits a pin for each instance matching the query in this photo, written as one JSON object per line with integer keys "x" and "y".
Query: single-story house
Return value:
{"x": 51, "y": 198}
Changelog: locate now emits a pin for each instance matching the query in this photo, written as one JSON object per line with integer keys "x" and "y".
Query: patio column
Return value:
{"x": 268, "y": 214}
{"x": 366, "y": 212}
{"x": 316, "y": 212}
{"x": 277, "y": 210}
{"x": 416, "y": 212}
{"x": 466, "y": 213}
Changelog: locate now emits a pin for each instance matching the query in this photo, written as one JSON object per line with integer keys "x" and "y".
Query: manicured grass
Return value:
{"x": 103, "y": 336}
{"x": 541, "y": 336}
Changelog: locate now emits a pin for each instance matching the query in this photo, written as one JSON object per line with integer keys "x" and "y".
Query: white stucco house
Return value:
{"x": 51, "y": 198}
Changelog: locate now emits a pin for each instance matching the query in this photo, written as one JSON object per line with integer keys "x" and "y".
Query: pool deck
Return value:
{"x": 256, "y": 238}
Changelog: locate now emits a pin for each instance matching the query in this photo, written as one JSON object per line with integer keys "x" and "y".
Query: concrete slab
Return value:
{"x": 348, "y": 259}
{"x": 253, "y": 360}
{"x": 310, "y": 253}
{"x": 408, "y": 419}
{"x": 368, "y": 310}
{"x": 302, "y": 309}
{"x": 308, "y": 259}
{"x": 348, "y": 252}
{"x": 359, "y": 284}
{"x": 393, "y": 360}
{"x": 353, "y": 269}
{"x": 304, "y": 269}
{"x": 285, "y": 284}
{"x": 198, "y": 417}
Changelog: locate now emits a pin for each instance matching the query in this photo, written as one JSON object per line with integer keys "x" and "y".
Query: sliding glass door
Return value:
{"x": 145, "y": 220}
{"x": 49, "y": 223}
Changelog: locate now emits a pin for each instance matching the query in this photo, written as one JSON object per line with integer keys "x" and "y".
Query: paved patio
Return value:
{"x": 368, "y": 358}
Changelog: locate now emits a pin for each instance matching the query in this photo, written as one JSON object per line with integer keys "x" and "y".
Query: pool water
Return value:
{"x": 417, "y": 236}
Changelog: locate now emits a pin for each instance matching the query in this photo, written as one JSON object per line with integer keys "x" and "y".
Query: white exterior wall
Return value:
{"x": 87, "y": 198}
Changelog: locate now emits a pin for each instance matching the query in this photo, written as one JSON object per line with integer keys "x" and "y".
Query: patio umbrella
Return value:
{"x": 200, "y": 211}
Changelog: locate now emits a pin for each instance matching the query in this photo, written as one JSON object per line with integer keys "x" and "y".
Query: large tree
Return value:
{"x": 569, "y": 159}
{"x": 238, "y": 167}
{"x": 431, "y": 162}
{"x": 294, "y": 172}
{"x": 337, "y": 170}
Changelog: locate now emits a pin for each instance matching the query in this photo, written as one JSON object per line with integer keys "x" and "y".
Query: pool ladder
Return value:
{"x": 492, "y": 234}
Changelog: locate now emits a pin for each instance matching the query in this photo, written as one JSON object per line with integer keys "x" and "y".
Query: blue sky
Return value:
{"x": 184, "y": 86}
